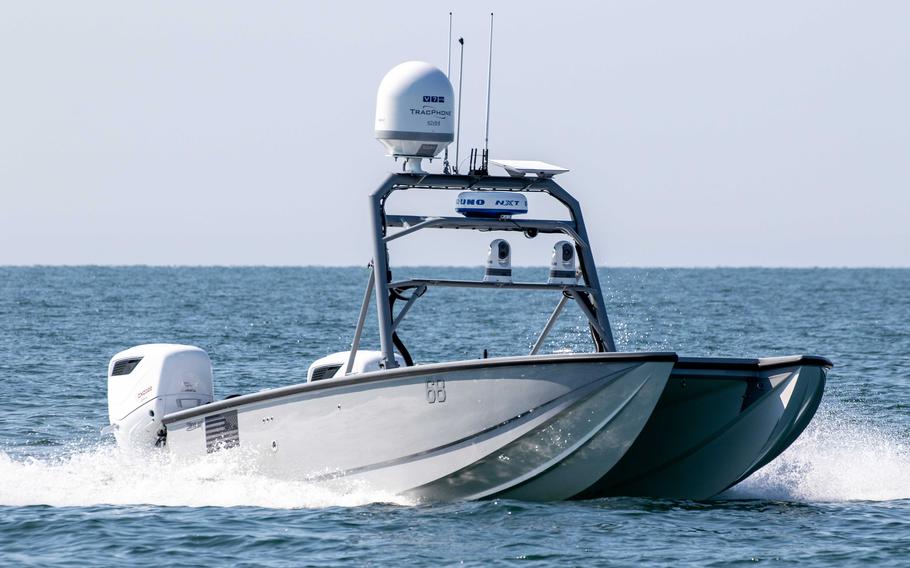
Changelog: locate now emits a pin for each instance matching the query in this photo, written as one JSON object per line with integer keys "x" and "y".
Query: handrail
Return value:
{"x": 412, "y": 223}
{"x": 446, "y": 283}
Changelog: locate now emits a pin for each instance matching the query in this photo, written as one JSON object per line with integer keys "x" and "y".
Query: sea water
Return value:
{"x": 839, "y": 495}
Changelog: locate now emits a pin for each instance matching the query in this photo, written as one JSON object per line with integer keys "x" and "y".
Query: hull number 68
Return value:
{"x": 436, "y": 390}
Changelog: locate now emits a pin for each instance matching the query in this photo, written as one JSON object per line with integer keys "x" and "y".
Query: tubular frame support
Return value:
{"x": 598, "y": 332}
{"x": 381, "y": 277}
{"x": 418, "y": 292}
{"x": 549, "y": 326}
{"x": 413, "y": 224}
{"x": 420, "y": 282}
{"x": 429, "y": 222}
{"x": 587, "y": 294}
{"x": 361, "y": 319}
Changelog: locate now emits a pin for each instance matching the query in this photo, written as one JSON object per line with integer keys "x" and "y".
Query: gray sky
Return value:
{"x": 698, "y": 133}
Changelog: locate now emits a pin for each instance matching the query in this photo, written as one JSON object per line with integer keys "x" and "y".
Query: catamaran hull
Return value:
{"x": 541, "y": 428}
{"x": 717, "y": 422}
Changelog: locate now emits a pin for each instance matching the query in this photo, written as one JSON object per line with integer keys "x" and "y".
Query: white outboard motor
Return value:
{"x": 147, "y": 382}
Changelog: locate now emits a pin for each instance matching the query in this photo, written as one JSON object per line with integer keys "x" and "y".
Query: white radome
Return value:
{"x": 415, "y": 110}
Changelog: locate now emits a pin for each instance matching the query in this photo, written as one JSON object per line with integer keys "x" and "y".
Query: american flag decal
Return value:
{"x": 221, "y": 431}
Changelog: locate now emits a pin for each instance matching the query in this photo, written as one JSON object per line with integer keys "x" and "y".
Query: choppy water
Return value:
{"x": 841, "y": 494}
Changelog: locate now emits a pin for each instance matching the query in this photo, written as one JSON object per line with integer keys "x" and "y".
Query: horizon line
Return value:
{"x": 477, "y": 266}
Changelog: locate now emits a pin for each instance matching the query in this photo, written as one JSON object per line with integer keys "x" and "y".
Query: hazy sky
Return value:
{"x": 698, "y": 133}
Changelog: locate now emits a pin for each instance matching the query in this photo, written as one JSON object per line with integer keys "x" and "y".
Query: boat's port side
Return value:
{"x": 717, "y": 421}
{"x": 458, "y": 430}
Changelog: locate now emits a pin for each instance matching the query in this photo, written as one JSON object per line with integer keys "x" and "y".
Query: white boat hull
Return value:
{"x": 537, "y": 428}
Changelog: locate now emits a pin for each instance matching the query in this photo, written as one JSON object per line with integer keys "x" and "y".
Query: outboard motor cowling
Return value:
{"x": 147, "y": 382}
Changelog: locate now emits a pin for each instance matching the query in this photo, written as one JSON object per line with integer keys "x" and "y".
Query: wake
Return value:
{"x": 837, "y": 458}
{"x": 106, "y": 475}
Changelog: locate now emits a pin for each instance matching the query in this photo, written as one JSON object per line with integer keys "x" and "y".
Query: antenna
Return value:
{"x": 445, "y": 160}
{"x": 449, "y": 68}
{"x": 458, "y": 123}
{"x": 486, "y": 136}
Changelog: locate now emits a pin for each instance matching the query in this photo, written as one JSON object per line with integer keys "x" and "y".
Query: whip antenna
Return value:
{"x": 449, "y": 68}
{"x": 486, "y": 136}
{"x": 445, "y": 160}
{"x": 458, "y": 123}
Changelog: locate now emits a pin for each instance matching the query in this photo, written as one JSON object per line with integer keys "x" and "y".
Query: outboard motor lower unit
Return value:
{"x": 147, "y": 382}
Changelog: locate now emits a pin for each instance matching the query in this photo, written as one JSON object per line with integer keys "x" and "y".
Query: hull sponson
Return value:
{"x": 565, "y": 453}
{"x": 717, "y": 422}
{"x": 382, "y": 429}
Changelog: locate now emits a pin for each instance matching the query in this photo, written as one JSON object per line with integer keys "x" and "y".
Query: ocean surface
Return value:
{"x": 839, "y": 495}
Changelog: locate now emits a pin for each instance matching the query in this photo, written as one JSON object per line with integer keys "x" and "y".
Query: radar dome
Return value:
{"x": 414, "y": 110}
